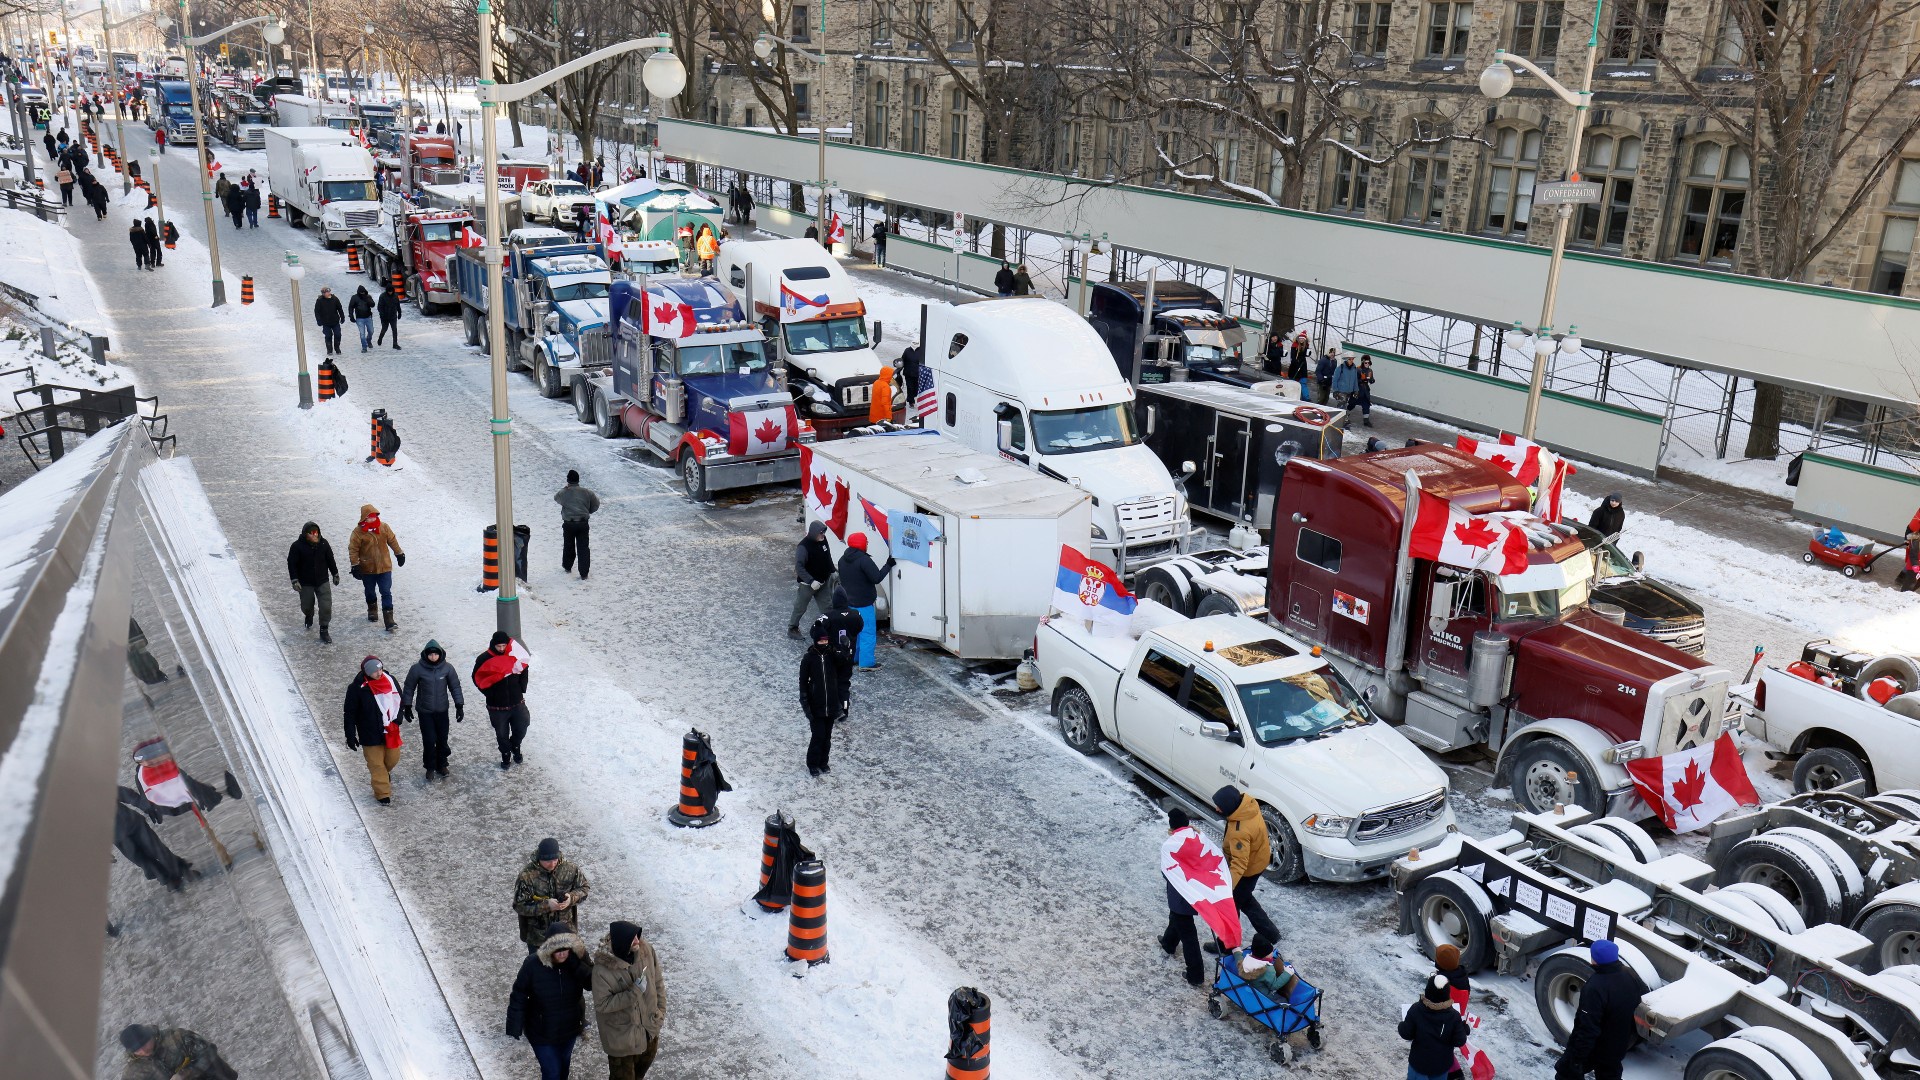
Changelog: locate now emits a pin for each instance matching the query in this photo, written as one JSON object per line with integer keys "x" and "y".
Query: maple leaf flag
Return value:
{"x": 826, "y": 495}
{"x": 664, "y": 318}
{"x": 836, "y": 232}
{"x": 760, "y": 431}
{"x": 498, "y": 666}
{"x": 1445, "y": 534}
{"x": 1549, "y": 481}
{"x": 1689, "y": 789}
{"x": 1197, "y": 871}
{"x": 1521, "y": 463}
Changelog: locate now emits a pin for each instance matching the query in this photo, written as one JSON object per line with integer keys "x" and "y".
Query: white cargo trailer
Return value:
{"x": 1000, "y": 527}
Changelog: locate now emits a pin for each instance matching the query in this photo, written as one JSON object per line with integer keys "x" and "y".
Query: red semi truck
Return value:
{"x": 430, "y": 159}
{"x": 1516, "y": 663}
{"x": 417, "y": 244}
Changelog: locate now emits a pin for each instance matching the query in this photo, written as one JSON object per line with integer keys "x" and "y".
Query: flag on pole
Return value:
{"x": 1551, "y": 479}
{"x": 925, "y": 401}
{"x": 1447, "y": 534}
{"x": 1085, "y": 589}
{"x": 1197, "y": 871}
{"x": 1689, "y": 789}
{"x": 876, "y": 520}
{"x": 1521, "y": 463}
{"x": 836, "y": 232}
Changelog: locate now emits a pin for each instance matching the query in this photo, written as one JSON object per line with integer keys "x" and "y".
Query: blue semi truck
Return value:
{"x": 555, "y": 306}
{"x": 171, "y": 105}
{"x": 692, "y": 380}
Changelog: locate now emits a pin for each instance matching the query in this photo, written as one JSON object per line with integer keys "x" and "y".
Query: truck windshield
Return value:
{"x": 1301, "y": 706}
{"x": 1207, "y": 355}
{"x": 581, "y": 290}
{"x": 1544, "y": 603}
{"x": 347, "y": 190}
{"x": 827, "y": 335}
{"x": 722, "y": 359}
{"x": 180, "y": 112}
{"x": 436, "y": 231}
{"x": 568, "y": 187}
{"x": 1075, "y": 431}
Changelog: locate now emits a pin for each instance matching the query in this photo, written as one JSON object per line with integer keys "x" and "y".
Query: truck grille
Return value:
{"x": 857, "y": 394}
{"x": 596, "y": 348}
{"x": 1687, "y": 635}
{"x": 1148, "y": 520}
{"x": 1400, "y": 818}
{"x": 358, "y": 218}
{"x": 1691, "y": 718}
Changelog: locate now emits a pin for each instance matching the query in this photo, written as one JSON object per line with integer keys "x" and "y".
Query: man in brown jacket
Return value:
{"x": 1249, "y": 850}
{"x": 629, "y": 1001}
{"x": 371, "y": 555}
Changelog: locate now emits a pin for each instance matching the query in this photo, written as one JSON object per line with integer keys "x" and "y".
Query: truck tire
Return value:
{"x": 1790, "y": 868}
{"x": 1800, "y": 1062}
{"x": 1853, "y": 886}
{"x": 1894, "y": 930}
{"x": 1736, "y": 1059}
{"x": 1636, "y": 837}
{"x": 606, "y": 422}
{"x": 1287, "y": 863}
{"x": 1556, "y": 991}
{"x": 693, "y": 477}
{"x": 1166, "y": 586}
{"x": 1902, "y": 668}
{"x": 1538, "y": 774}
{"x": 296, "y": 219}
{"x": 1079, "y": 720}
{"x": 419, "y": 294}
{"x": 583, "y": 399}
{"x": 1213, "y": 603}
{"x": 1450, "y": 908}
{"x": 1827, "y": 767}
{"x": 1783, "y": 914}
{"x": 469, "y": 323}
{"x": 1606, "y": 840}
{"x": 1900, "y": 802}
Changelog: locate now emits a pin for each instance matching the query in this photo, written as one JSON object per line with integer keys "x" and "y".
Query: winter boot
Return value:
{"x": 506, "y": 762}
{"x": 373, "y": 611}
{"x": 309, "y": 622}
{"x": 325, "y": 638}
{"x": 391, "y": 625}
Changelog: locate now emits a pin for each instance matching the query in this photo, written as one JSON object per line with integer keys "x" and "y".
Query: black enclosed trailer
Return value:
{"x": 1237, "y": 440}
{"x": 1191, "y": 329}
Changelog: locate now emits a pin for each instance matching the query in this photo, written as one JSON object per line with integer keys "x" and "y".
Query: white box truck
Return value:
{"x": 1030, "y": 381}
{"x": 991, "y": 570}
{"x": 299, "y": 111}
{"x": 325, "y": 175}
{"x": 815, "y": 322}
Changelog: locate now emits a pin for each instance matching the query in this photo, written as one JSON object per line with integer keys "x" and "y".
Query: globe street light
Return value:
{"x": 664, "y": 76}
{"x": 294, "y": 273}
{"x": 1496, "y": 82}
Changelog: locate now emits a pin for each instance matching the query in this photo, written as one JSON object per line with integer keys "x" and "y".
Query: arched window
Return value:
{"x": 1713, "y": 202}
{"x": 1510, "y": 174}
{"x": 1612, "y": 161}
{"x": 1426, "y": 194}
{"x": 1347, "y": 177}
{"x": 877, "y": 114}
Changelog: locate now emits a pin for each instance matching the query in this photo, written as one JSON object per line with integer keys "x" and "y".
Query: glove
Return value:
{"x": 815, "y": 585}
{"x": 406, "y": 714}
{"x": 295, "y": 584}
{"x": 336, "y": 579}
{"x": 459, "y": 713}
{"x": 401, "y": 558}
{"x": 353, "y": 744}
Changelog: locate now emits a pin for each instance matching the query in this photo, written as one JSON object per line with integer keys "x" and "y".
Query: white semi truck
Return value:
{"x": 326, "y": 176}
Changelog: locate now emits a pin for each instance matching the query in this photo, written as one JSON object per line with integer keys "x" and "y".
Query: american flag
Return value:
{"x": 925, "y": 401}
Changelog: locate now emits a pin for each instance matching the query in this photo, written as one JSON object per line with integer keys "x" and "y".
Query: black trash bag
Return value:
{"x": 389, "y": 439}
{"x": 965, "y": 1008}
{"x": 777, "y": 893}
{"x": 1793, "y": 470}
{"x": 706, "y": 777}
{"x": 339, "y": 382}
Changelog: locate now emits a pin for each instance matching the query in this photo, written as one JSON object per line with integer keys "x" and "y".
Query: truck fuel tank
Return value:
{"x": 1489, "y": 668}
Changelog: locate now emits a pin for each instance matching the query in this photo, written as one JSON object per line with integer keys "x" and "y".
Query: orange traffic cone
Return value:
{"x": 807, "y": 919}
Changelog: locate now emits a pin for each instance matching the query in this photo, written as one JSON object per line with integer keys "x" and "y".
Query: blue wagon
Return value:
{"x": 1299, "y": 1012}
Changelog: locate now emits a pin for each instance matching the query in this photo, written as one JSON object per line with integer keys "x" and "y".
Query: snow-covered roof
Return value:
{"x": 926, "y": 465}
{"x": 1030, "y": 346}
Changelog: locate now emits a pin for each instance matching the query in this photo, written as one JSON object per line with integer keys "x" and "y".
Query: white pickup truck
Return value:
{"x": 1819, "y": 712}
{"x": 555, "y": 201}
{"x": 1194, "y": 703}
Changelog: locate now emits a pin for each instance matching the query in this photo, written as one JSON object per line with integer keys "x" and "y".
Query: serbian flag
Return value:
{"x": 1691, "y": 788}
{"x": 795, "y": 301}
{"x": 1085, "y": 589}
{"x": 826, "y": 495}
{"x": 664, "y": 318}
{"x": 761, "y": 431}
{"x": 876, "y": 519}
{"x": 1521, "y": 463}
{"x": 1551, "y": 479}
{"x": 1445, "y": 534}
{"x": 498, "y": 666}
{"x": 1198, "y": 872}
{"x": 836, "y": 232}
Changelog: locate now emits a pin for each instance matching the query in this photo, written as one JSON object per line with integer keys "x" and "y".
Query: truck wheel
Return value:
{"x": 1827, "y": 767}
{"x": 296, "y": 219}
{"x": 1556, "y": 991}
{"x": 583, "y": 400}
{"x": 419, "y": 293}
{"x": 1214, "y": 603}
{"x": 1166, "y": 587}
{"x": 548, "y": 377}
{"x": 1736, "y": 1059}
{"x": 606, "y": 422}
{"x": 1775, "y": 906}
{"x": 1636, "y": 837}
{"x": 1853, "y": 885}
{"x": 693, "y": 476}
{"x": 1894, "y": 930}
{"x": 1450, "y": 908}
{"x": 1079, "y": 721}
{"x": 1287, "y": 864}
{"x": 1801, "y": 1062}
{"x": 1790, "y": 868}
{"x": 1900, "y": 802}
{"x": 1539, "y": 778}
{"x": 468, "y": 323}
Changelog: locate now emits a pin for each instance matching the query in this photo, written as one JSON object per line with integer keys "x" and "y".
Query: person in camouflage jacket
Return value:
{"x": 155, "y": 1053}
{"x": 548, "y": 890}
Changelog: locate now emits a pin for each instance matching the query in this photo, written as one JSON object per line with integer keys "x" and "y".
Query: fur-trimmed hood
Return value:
{"x": 563, "y": 941}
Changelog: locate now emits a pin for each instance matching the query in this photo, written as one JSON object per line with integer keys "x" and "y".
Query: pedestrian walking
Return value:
{"x": 1363, "y": 393}
{"x": 1274, "y": 358}
{"x": 52, "y": 150}
{"x": 160, "y": 137}
{"x": 65, "y": 179}
{"x": 1180, "y": 932}
{"x": 96, "y": 196}
{"x": 328, "y": 312}
{"x": 372, "y": 553}
{"x": 1022, "y": 283}
{"x": 221, "y": 187}
{"x": 1300, "y": 352}
{"x": 860, "y": 579}
{"x": 360, "y": 310}
{"x": 1003, "y": 279}
{"x": 707, "y": 247}
{"x": 1435, "y": 1029}
{"x": 548, "y": 1003}
{"x": 1603, "y": 1026}
{"x": 137, "y": 236}
{"x": 154, "y": 258}
{"x": 629, "y": 1001}
{"x": 157, "y": 1053}
{"x": 372, "y": 718}
{"x": 1248, "y": 852}
{"x": 431, "y": 691}
{"x": 388, "y": 308}
{"x": 1346, "y": 382}
{"x": 135, "y": 840}
{"x": 821, "y": 700}
{"x": 500, "y": 674}
{"x": 576, "y": 505}
{"x": 251, "y": 193}
{"x": 1610, "y": 517}
{"x": 311, "y": 568}
{"x": 880, "y": 242}
{"x": 549, "y": 889}
{"x": 235, "y": 203}
{"x": 812, "y": 575}
{"x": 1323, "y": 377}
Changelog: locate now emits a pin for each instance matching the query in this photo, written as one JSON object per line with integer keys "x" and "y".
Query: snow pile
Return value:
{"x": 43, "y": 259}
{"x": 22, "y": 364}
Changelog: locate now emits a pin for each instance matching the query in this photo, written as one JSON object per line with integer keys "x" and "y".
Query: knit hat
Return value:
{"x": 1604, "y": 952}
{"x": 857, "y": 540}
{"x": 135, "y": 1036}
{"x": 622, "y": 935}
{"x": 1446, "y": 956}
{"x": 1177, "y": 818}
{"x": 310, "y": 527}
{"x": 1227, "y": 799}
{"x": 370, "y": 666}
{"x": 500, "y": 637}
{"x": 558, "y": 927}
{"x": 549, "y": 849}
{"x": 573, "y": 476}
{"x": 1262, "y": 945}
{"x": 1438, "y": 989}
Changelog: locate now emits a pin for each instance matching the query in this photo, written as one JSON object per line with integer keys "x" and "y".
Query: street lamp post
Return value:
{"x": 116, "y": 81}
{"x": 763, "y": 48}
{"x": 294, "y": 273}
{"x": 159, "y": 203}
{"x": 555, "y": 166}
{"x": 665, "y": 76}
{"x": 1495, "y": 82}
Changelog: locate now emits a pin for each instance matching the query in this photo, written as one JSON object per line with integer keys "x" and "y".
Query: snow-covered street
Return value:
{"x": 965, "y": 843}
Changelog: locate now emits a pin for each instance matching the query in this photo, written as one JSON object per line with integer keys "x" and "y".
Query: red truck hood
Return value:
{"x": 1587, "y": 639}
{"x": 1594, "y": 671}
{"x": 436, "y": 253}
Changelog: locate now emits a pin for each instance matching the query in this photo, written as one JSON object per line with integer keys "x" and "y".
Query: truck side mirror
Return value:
{"x": 1367, "y": 694}
{"x": 1003, "y": 436}
{"x": 1213, "y": 729}
{"x": 876, "y": 332}
{"x": 1153, "y": 414}
{"x": 1639, "y": 560}
{"x": 1188, "y": 468}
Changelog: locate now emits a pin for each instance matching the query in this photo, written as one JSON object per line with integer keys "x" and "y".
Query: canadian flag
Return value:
{"x": 1473, "y": 1062}
{"x": 761, "y": 431}
{"x": 1523, "y": 464}
{"x": 826, "y": 495}
{"x": 665, "y": 318}
{"x": 1445, "y": 534}
{"x": 1689, "y": 789}
{"x": 608, "y": 234}
{"x": 213, "y": 164}
{"x": 836, "y": 232}
{"x": 160, "y": 778}
{"x": 470, "y": 237}
{"x": 1198, "y": 872}
{"x": 498, "y": 666}
{"x": 1549, "y": 482}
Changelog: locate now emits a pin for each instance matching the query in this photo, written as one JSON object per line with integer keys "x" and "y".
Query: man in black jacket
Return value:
{"x": 433, "y": 688}
{"x": 841, "y": 627}
{"x": 812, "y": 575}
{"x": 1435, "y": 1028}
{"x": 500, "y": 673}
{"x": 822, "y": 699}
{"x": 1603, "y": 1027}
{"x": 309, "y": 566}
{"x": 548, "y": 1003}
{"x": 360, "y": 310}
{"x": 329, "y": 314}
{"x": 389, "y": 309}
{"x": 860, "y": 579}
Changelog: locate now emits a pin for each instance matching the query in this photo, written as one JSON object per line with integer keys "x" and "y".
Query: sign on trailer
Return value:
{"x": 1518, "y": 889}
{"x": 1567, "y": 191}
